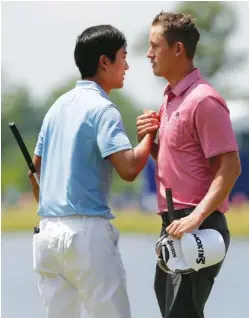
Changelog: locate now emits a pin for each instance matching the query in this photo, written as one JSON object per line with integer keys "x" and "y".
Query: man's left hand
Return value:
{"x": 187, "y": 224}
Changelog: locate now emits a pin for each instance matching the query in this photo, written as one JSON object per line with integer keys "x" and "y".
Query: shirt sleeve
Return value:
{"x": 39, "y": 144}
{"x": 214, "y": 128}
{"x": 111, "y": 135}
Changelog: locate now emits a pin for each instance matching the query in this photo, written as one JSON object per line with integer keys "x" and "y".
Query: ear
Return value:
{"x": 104, "y": 62}
{"x": 179, "y": 48}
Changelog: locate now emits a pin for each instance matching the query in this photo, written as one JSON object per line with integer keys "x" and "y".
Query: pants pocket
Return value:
{"x": 43, "y": 260}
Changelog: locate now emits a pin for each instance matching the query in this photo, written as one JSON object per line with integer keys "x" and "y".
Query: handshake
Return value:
{"x": 148, "y": 123}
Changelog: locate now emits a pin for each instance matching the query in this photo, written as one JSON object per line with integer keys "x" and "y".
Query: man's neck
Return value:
{"x": 180, "y": 74}
{"x": 100, "y": 82}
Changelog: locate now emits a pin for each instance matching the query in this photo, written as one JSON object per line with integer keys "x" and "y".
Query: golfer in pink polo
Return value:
{"x": 196, "y": 156}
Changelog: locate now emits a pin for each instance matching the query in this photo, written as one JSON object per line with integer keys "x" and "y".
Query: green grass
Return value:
{"x": 24, "y": 218}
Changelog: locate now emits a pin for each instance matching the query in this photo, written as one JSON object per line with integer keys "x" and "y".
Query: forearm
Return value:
{"x": 142, "y": 152}
{"x": 218, "y": 191}
{"x": 35, "y": 186}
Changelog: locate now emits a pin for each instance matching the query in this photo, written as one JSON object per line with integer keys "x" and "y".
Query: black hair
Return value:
{"x": 92, "y": 43}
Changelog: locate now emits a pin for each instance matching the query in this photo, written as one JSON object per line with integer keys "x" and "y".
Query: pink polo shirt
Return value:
{"x": 195, "y": 126}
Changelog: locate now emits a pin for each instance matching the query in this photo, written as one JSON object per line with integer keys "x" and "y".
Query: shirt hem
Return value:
{"x": 38, "y": 153}
{"x": 220, "y": 151}
{"x": 116, "y": 149}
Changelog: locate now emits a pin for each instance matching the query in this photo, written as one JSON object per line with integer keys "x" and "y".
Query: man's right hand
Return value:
{"x": 148, "y": 123}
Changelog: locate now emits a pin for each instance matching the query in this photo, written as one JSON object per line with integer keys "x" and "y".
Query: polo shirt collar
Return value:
{"x": 92, "y": 85}
{"x": 184, "y": 84}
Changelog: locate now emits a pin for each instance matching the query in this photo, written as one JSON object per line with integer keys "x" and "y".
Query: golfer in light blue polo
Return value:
{"x": 82, "y": 138}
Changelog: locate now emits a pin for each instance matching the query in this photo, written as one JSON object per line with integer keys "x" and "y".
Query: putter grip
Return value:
{"x": 22, "y": 146}
{"x": 170, "y": 204}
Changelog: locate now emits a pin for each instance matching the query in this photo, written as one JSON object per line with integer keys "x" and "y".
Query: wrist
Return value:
{"x": 199, "y": 215}
{"x": 149, "y": 137}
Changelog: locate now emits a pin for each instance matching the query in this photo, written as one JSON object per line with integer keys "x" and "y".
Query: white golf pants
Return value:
{"x": 78, "y": 261}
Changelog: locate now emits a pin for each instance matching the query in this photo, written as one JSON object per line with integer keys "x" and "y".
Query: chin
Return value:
{"x": 157, "y": 73}
{"x": 120, "y": 85}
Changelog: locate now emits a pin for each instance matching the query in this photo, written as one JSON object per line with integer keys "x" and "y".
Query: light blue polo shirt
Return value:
{"x": 79, "y": 131}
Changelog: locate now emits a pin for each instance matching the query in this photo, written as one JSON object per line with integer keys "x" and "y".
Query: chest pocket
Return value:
{"x": 175, "y": 132}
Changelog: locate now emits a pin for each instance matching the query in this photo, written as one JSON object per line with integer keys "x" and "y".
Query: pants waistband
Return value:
{"x": 167, "y": 217}
{"x": 72, "y": 222}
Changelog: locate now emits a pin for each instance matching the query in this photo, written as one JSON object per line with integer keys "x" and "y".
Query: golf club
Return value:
{"x": 24, "y": 149}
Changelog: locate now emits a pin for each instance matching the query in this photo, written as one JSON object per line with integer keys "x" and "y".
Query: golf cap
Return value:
{"x": 195, "y": 250}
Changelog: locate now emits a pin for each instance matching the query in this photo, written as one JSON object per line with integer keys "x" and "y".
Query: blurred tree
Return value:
{"x": 14, "y": 167}
{"x": 216, "y": 22}
{"x": 17, "y": 106}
